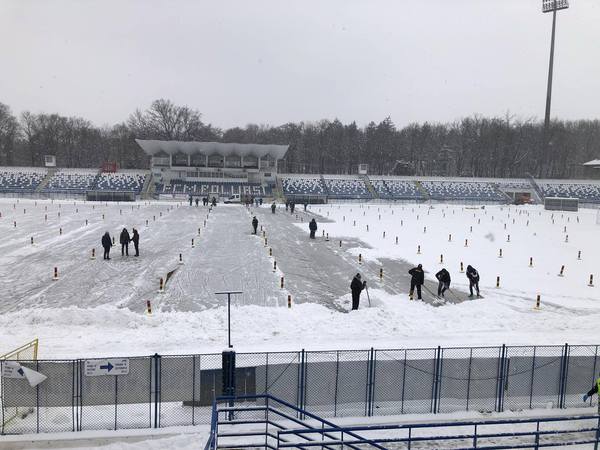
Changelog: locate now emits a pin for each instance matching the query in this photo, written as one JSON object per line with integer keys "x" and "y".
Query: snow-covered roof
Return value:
{"x": 593, "y": 162}
{"x": 152, "y": 147}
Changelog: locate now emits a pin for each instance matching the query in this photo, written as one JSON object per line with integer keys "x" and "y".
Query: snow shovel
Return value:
{"x": 368, "y": 297}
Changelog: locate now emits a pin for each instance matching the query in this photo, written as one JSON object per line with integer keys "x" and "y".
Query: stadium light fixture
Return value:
{"x": 551, "y": 6}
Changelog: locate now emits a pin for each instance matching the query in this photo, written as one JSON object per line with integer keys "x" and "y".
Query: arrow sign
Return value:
{"x": 12, "y": 369}
{"x": 103, "y": 367}
{"x": 108, "y": 367}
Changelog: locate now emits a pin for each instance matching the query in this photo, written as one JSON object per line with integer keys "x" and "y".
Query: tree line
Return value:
{"x": 473, "y": 146}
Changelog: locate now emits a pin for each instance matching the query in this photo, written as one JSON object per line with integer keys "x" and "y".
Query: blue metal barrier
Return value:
{"x": 490, "y": 434}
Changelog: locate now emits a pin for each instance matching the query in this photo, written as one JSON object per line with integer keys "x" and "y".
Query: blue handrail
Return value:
{"x": 329, "y": 431}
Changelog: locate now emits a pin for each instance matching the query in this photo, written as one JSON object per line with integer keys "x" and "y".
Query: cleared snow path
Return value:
{"x": 227, "y": 257}
{"x": 320, "y": 271}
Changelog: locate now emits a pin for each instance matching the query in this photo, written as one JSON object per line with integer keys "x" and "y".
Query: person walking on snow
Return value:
{"x": 594, "y": 390}
{"x": 136, "y": 241}
{"x": 312, "y": 226}
{"x": 197, "y": 200}
{"x": 356, "y": 287}
{"x": 273, "y": 207}
{"x": 254, "y": 223}
{"x": 107, "y": 244}
{"x": 473, "y": 277}
{"x": 292, "y": 206}
{"x": 443, "y": 277}
{"x": 287, "y": 205}
{"x": 124, "y": 240}
{"x": 417, "y": 280}
{"x": 190, "y": 199}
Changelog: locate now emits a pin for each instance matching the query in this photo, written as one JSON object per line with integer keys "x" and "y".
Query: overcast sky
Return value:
{"x": 275, "y": 61}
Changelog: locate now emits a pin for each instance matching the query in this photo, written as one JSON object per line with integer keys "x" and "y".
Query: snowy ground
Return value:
{"x": 97, "y": 308}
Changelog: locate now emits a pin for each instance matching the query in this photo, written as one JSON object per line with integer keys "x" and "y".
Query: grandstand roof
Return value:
{"x": 152, "y": 147}
{"x": 593, "y": 163}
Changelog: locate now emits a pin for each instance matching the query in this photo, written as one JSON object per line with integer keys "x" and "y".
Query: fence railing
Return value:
{"x": 263, "y": 421}
{"x": 161, "y": 391}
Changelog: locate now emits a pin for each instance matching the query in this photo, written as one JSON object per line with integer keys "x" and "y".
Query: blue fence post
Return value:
{"x": 563, "y": 376}
{"x": 435, "y": 390}
{"x": 299, "y": 402}
{"x": 532, "y": 378}
{"x": 156, "y": 359}
{"x": 370, "y": 382}
{"x": 500, "y": 380}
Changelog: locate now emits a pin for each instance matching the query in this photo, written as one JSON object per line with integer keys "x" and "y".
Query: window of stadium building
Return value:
{"x": 180, "y": 159}
{"x": 215, "y": 161}
{"x": 198, "y": 160}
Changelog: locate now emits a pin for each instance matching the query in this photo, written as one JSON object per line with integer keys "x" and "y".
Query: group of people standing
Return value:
{"x": 124, "y": 240}
{"x": 205, "y": 201}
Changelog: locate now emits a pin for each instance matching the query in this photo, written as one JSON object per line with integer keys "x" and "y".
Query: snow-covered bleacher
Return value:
{"x": 21, "y": 179}
{"x": 346, "y": 187}
{"x": 125, "y": 181}
{"x": 513, "y": 185}
{"x": 72, "y": 180}
{"x": 585, "y": 192}
{"x": 393, "y": 188}
{"x": 462, "y": 190}
{"x": 302, "y": 185}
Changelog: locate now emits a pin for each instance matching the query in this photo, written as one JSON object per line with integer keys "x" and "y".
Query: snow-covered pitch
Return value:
{"x": 98, "y": 308}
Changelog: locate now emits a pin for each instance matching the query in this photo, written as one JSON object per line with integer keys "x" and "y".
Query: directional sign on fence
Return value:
{"x": 100, "y": 367}
{"x": 12, "y": 369}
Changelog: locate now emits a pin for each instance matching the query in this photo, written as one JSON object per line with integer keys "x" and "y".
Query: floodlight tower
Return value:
{"x": 551, "y": 6}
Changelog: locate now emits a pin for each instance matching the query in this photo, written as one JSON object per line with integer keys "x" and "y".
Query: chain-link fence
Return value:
{"x": 162, "y": 391}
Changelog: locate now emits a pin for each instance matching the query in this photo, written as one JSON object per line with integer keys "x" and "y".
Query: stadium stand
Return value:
{"x": 303, "y": 185}
{"x": 462, "y": 190}
{"x": 72, "y": 180}
{"x": 212, "y": 188}
{"x": 585, "y": 192}
{"x": 395, "y": 189}
{"x": 346, "y": 187}
{"x": 513, "y": 184}
{"x": 127, "y": 181}
{"x": 21, "y": 179}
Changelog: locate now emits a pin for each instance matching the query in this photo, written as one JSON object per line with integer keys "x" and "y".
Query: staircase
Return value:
{"x": 325, "y": 188}
{"x": 536, "y": 189}
{"x": 277, "y": 423}
{"x": 370, "y": 186}
{"x": 44, "y": 182}
{"x": 422, "y": 190}
{"x": 148, "y": 188}
{"x": 499, "y": 191}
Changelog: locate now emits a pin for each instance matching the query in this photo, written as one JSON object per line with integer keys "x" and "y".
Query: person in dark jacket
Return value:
{"x": 473, "y": 277}
{"x": 124, "y": 240}
{"x": 356, "y": 287}
{"x": 273, "y": 207}
{"x": 287, "y": 205}
{"x": 443, "y": 277}
{"x": 136, "y": 242}
{"x": 417, "y": 280}
{"x": 260, "y": 200}
{"x": 312, "y": 226}
{"x": 292, "y": 206}
{"x": 254, "y": 223}
{"x": 107, "y": 244}
{"x": 214, "y": 201}
{"x": 594, "y": 390}
{"x": 190, "y": 199}
{"x": 196, "y": 200}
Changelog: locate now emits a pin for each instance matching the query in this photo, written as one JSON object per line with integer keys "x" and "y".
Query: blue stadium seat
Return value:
{"x": 72, "y": 180}
{"x": 302, "y": 186}
{"x": 583, "y": 191}
{"x": 396, "y": 189}
{"x": 347, "y": 188}
{"x": 129, "y": 181}
{"x": 21, "y": 179}
{"x": 462, "y": 190}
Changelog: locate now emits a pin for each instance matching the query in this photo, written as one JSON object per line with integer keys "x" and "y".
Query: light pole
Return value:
{"x": 228, "y": 313}
{"x": 551, "y": 6}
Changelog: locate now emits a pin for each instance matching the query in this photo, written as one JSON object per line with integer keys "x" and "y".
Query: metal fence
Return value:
{"x": 161, "y": 391}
